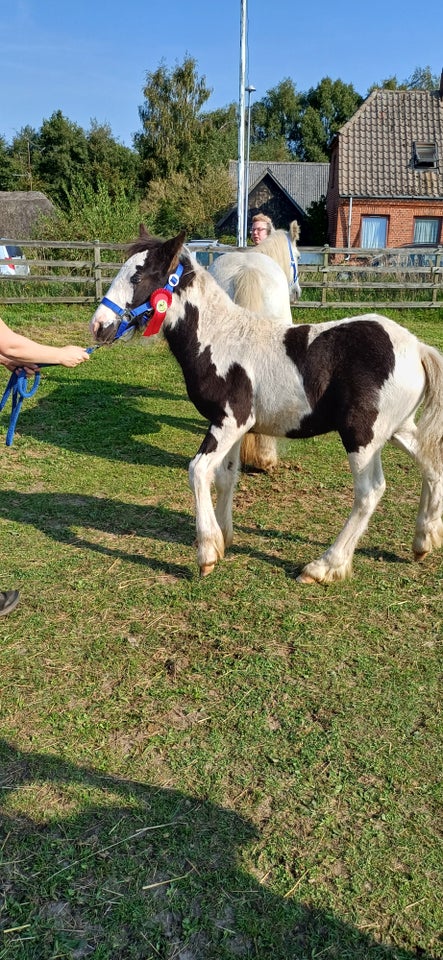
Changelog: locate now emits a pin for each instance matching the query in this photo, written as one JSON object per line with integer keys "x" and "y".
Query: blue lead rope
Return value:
{"x": 18, "y": 386}
{"x": 18, "y": 383}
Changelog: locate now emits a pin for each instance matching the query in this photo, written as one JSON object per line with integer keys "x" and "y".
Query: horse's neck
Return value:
{"x": 208, "y": 297}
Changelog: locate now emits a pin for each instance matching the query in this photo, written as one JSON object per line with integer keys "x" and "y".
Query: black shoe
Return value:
{"x": 8, "y": 601}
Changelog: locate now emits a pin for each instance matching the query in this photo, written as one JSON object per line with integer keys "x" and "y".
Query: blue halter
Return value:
{"x": 129, "y": 316}
{"x": 292, "y": 260}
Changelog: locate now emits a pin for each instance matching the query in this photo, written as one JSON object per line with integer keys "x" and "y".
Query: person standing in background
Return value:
{"x": 261, "y": 227}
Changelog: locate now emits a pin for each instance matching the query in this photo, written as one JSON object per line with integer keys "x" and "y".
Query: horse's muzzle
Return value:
{"x": 104, "y": 332}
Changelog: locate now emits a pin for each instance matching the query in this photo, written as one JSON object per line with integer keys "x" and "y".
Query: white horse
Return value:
{"x": 364, "y": 377}
{"x": 263, "y": 284}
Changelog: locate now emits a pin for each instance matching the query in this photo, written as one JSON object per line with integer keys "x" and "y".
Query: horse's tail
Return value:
{"x": 294, "y": 230}
{"x": 430, "y": 424}
{"x": 248, "y": 289}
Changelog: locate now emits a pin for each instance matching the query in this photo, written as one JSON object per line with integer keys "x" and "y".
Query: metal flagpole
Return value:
{"x": 249, "y": 89}
{"x": 241, "y": 229}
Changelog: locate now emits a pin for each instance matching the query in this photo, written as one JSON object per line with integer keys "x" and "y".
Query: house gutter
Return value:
{"x": 349, "y": 226}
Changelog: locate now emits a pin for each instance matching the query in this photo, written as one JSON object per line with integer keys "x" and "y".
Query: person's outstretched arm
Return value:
{"x": 16, "y": 350}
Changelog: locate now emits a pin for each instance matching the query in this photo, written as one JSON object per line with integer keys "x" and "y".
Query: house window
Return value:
{"x": 374, "y": 232}
{"x": 425, "y": 154}
{"x": 426, "y": 230}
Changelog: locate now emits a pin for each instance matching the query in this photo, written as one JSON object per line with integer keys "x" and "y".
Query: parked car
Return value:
{"x": 206, "y": 251}
{"x": 16, "y": 265}
{"x": 312, "y": 258}
{"x": 402, "y": 258}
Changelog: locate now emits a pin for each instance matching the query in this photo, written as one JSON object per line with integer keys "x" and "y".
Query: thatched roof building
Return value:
{"x": 20, "y": 212}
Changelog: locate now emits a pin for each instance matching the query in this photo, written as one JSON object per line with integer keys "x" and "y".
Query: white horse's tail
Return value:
{"x": 430, "y": 424}
{"x": 294, "y": 230}
{"x": 248, "y": 289}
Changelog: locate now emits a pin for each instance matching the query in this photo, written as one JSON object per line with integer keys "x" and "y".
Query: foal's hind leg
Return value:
{"x": 259, "y": 452}
{"x": 225, "y": 480}
{"x": 369, "y": 486}
{"x": 429, "y": 523}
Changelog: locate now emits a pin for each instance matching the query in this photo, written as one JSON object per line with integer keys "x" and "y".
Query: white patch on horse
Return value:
{"x": 104, "y": 316}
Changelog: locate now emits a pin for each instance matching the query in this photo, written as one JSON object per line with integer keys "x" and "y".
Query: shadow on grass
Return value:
{"x": 57, "y": 515}
{"x": 103, "y": 419}
{"x": 373, "y": 553}
{"x": 143, "y": 872}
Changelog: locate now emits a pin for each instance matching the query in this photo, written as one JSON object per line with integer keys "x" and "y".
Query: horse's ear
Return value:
{"x": 142, "y": 232}
{"x": 180, "y": 238}
{"x": 171, "y": 249}
{"x": 294, "y": 230}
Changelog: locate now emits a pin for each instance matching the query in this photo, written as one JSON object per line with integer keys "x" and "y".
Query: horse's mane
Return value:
{"x": 140, "y": 245}
{"x": 276, "y": 245}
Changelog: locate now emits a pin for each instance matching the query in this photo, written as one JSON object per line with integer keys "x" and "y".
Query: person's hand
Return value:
{"x": 14, "y": 365}
{"x": 9, "y": 364}
{"x": 72, "y": 356}
{"x": 29, "y": 368}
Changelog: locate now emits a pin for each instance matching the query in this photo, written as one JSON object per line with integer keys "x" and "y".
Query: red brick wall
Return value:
{"x": 400, "y": 214}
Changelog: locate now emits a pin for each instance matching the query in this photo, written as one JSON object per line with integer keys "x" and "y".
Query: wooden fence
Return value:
{"x": 80, "y": 273}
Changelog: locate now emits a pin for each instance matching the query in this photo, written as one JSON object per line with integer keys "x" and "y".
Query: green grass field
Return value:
{"x": 234, "y": 767}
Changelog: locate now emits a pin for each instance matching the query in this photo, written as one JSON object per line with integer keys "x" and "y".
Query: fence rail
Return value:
{"x": 330, "y": 276}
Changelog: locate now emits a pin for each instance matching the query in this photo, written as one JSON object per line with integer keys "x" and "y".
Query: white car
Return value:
{"x": 15, "y": 265}
{"x": 206, "y": 251}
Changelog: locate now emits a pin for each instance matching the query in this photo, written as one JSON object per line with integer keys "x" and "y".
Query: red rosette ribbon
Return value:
{"x": 160, "y": 301}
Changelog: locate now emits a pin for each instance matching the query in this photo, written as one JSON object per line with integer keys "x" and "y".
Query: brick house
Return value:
{"x": 284, "y": 191}
{"x": 386, "y": 174}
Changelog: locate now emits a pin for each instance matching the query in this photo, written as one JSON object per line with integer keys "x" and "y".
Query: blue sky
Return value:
{"x": 89, "y": 59}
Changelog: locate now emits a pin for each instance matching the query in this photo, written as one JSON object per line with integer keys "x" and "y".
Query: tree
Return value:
{"x": 24, "y": 160}
{"x": 61, "y": 152}
{"x": 323, "y": 110}
{"x": 94, "y": 213}
{"x": 421, "y": 78}
{"x": 219, "y": 138}
{"x": 172, "y": 126}
{"x": 273, "y": 119}
{"x": 110, "y": 162}
{"x": 188, "y": 202}
{"x": 7, "y": 176}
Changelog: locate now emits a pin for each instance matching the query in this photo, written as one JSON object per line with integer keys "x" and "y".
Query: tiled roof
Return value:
{"x": 376, "y": 146}
{"x": 303, "y": 182}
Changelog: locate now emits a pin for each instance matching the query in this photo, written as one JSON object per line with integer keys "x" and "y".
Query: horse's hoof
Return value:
{"x": 420, "y": 555}
{"x": 305, "y": 578}
{"x": 206, "y": 569}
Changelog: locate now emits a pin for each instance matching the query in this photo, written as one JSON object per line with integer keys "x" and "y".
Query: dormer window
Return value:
{"x": 425, "y": 155}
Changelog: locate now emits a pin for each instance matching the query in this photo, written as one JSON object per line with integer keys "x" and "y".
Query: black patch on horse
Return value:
{"x": 209, "y": 392}
{"x": 208, "y": 445}
{"x": 342, "y": 370}
{"x": 149, "y": 276}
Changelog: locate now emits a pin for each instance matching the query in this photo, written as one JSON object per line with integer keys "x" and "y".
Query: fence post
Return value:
{"x": 97, "y": 271}
{"x": 436, "y": 271}
{"x": 325, "y": 274}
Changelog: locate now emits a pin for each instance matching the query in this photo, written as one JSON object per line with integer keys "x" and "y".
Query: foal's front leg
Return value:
{"x": 216, "y": 460}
